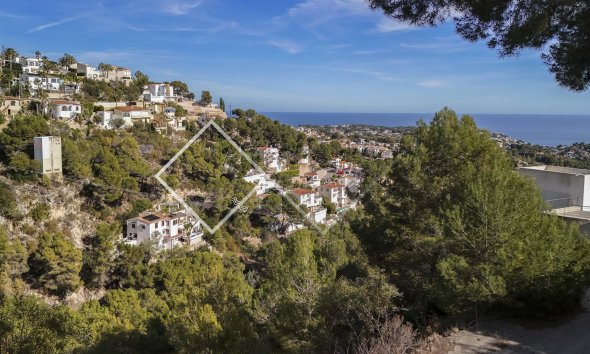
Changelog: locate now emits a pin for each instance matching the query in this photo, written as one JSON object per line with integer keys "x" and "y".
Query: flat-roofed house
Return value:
{"x": 561, "y": 186}
{"x": 87, "y": 71}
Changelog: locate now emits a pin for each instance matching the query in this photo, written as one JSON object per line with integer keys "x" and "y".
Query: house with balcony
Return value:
{"x": 307, "y": 198}
{"x": 164, "y": 230}
{"x": 312, "y": 179}
{"x": 335, "y": 193}
{"x": 35, "y": 82}
{"x": 270, "y": 158}
{"x": 158, "y": 93}
{"x": 63, "y": 109}
{"x": 29, "y": 65}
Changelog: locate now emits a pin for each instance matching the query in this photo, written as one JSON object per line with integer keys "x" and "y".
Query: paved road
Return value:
{"x": 567, "y": 336}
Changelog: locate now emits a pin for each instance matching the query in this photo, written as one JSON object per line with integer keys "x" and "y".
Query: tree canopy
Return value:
{"x": 560, "y": 29}
{"x": 456, "y": 227}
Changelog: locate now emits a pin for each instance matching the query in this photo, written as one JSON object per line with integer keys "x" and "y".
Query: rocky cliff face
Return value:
{"x": 66, "y": 210}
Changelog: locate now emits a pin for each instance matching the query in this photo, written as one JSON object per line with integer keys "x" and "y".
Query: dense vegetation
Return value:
{"x": 559, "y": 29}
{"x": 446, "y": 226}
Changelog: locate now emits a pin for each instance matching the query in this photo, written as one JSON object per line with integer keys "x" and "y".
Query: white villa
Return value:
{"x": 165, "y": 230}
{"x": 158, "y": 92}
{"x": 63, "y": 109}
{"x": 29, "y": 65}
{"x": 312, "y": 179}
{"x": 312, "y": 201}
{"x": 271, "y": 158}
{"x": 264, "y": 184}
{"x": 36, "y": 82}
{"x": 307, "y": 198}
{"x": 335, "y": 193}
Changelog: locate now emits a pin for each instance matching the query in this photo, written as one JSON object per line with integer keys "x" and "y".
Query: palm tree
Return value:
{"x": 105, "y": 68}
{"x": 67, "y": 60}
{"x": 38, "y": 54}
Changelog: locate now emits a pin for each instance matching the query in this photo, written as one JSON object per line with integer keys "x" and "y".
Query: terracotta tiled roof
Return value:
{"x": 332, "y": 185}
{"x": 302, "y": 191}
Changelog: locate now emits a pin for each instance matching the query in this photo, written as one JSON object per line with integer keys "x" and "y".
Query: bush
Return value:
{"x": 40, "y": 212}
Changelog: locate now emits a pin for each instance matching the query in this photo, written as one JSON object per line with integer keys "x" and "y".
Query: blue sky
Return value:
{"x": 286, "y": 55}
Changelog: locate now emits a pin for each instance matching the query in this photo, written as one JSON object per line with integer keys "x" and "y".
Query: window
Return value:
{"x": 133, "y": 226}
{"x": 143, "y": 227}
{"x": 13, "y": 103}
{"x": 64, "y": 108}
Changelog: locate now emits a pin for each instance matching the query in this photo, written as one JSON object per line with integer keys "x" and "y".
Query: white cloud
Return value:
{"x": 14, "y": 16}
{"x": 179, "y": 8}
{"x": 53, "y": 24}
{"x": 312, "y": 13}
{"x": 286, "y": 45}
{"x": 373, "y": 73}
{"x": 365, "y": 52}
{"x": 386, "y": 25}
{"x": 432, "y": 83}
{"x": 439, "y": 45}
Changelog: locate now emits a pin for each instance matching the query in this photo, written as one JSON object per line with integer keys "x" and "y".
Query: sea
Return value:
{"x": 540, "y": 129}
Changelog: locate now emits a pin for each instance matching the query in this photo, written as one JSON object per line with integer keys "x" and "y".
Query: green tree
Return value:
{"x": 56, "y": 264}
{"x": 221, "y": 104}
{"x": 27, "y": 325}
{"x": 141, "y": 79}
{"x": 98, "y": 256}
{"x": 206, "y": 98}
{"x": 18, "y": 135}
{"x": 9, "y": 54}
{"x": 12, "y": 260}
{"x": 457, "y": 226}
{"x": 8, "y": 205}
{"x": 512, "y": 26}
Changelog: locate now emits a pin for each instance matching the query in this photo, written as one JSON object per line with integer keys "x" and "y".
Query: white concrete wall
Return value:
{"x": 558, "y": 185}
